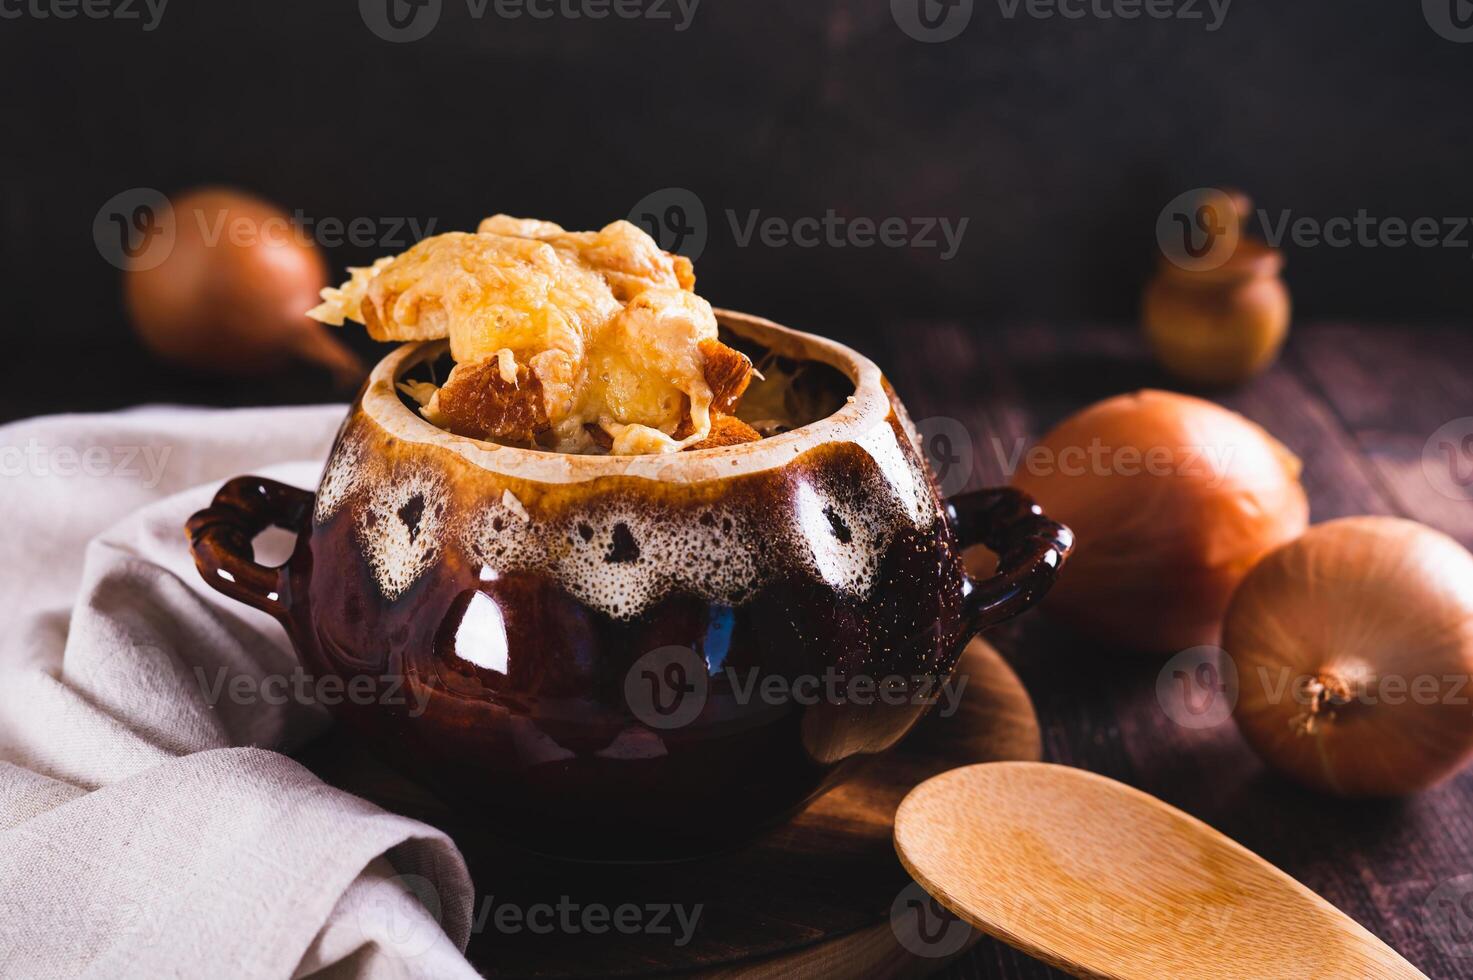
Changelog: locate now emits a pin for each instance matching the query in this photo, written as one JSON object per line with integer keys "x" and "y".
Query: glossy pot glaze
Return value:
{"x": 631, "y": 657}
{"x": 1219, "y": 326}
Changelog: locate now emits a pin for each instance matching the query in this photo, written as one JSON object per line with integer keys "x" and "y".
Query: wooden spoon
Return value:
{"x": 1102, "y": 880}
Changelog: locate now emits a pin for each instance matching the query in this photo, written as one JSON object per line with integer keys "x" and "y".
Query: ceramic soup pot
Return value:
{"x": 631, "y": 657}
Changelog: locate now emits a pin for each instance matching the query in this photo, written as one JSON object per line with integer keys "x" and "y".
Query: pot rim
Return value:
{"x": 867, "y": 407}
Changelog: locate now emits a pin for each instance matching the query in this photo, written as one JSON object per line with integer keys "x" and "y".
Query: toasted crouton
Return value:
{"x": 479, "y": 402}
{"x": 728, "y": 372}
{"x": 726, "y": 430}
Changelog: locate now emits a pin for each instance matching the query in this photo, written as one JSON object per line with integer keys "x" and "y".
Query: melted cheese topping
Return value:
{"x": 606, "y": 321}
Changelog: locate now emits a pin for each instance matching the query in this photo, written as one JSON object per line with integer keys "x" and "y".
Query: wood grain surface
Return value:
{"x": 1105, "y": 881}
{"x": 1357, "y": 404}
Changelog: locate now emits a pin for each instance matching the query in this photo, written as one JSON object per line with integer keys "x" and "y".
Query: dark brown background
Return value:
{"x": 1060, "y": 139}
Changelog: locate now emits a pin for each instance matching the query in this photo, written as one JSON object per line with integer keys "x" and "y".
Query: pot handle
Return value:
{"x": 220, "y": 539}
{"x": 1030, "y": 550}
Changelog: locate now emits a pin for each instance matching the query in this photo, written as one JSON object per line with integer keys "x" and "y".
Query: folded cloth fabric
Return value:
{"x": 150, "y": 827}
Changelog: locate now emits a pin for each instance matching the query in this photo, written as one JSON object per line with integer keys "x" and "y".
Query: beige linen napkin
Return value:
{"x": 147, "y": 828}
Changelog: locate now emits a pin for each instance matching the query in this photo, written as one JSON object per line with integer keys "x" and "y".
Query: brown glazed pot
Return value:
{"x": 631, "y": 657}
{"x": 1219, "y": 326}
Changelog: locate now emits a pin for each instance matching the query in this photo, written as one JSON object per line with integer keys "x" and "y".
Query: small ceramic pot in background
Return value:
{"x": 1222, "y": 322}
{"x": 1223, "y": 326}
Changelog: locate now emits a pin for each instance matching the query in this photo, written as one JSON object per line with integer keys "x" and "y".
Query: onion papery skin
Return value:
{"x": 231, "y": 296}
{"x": 1160, "y": 549}
{"x": 1381, "y": 608}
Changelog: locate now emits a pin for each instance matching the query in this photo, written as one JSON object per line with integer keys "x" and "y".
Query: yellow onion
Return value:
{"x": 1354, "y": 648}
{"x": 231, "y": 294}
{"x": 1172, "y": 500}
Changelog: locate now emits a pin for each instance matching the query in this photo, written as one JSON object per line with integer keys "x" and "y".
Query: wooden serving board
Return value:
{"x": 811, "y": 899}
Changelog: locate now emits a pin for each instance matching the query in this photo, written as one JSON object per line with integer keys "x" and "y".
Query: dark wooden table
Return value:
{"x": 1357, "y": 404}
